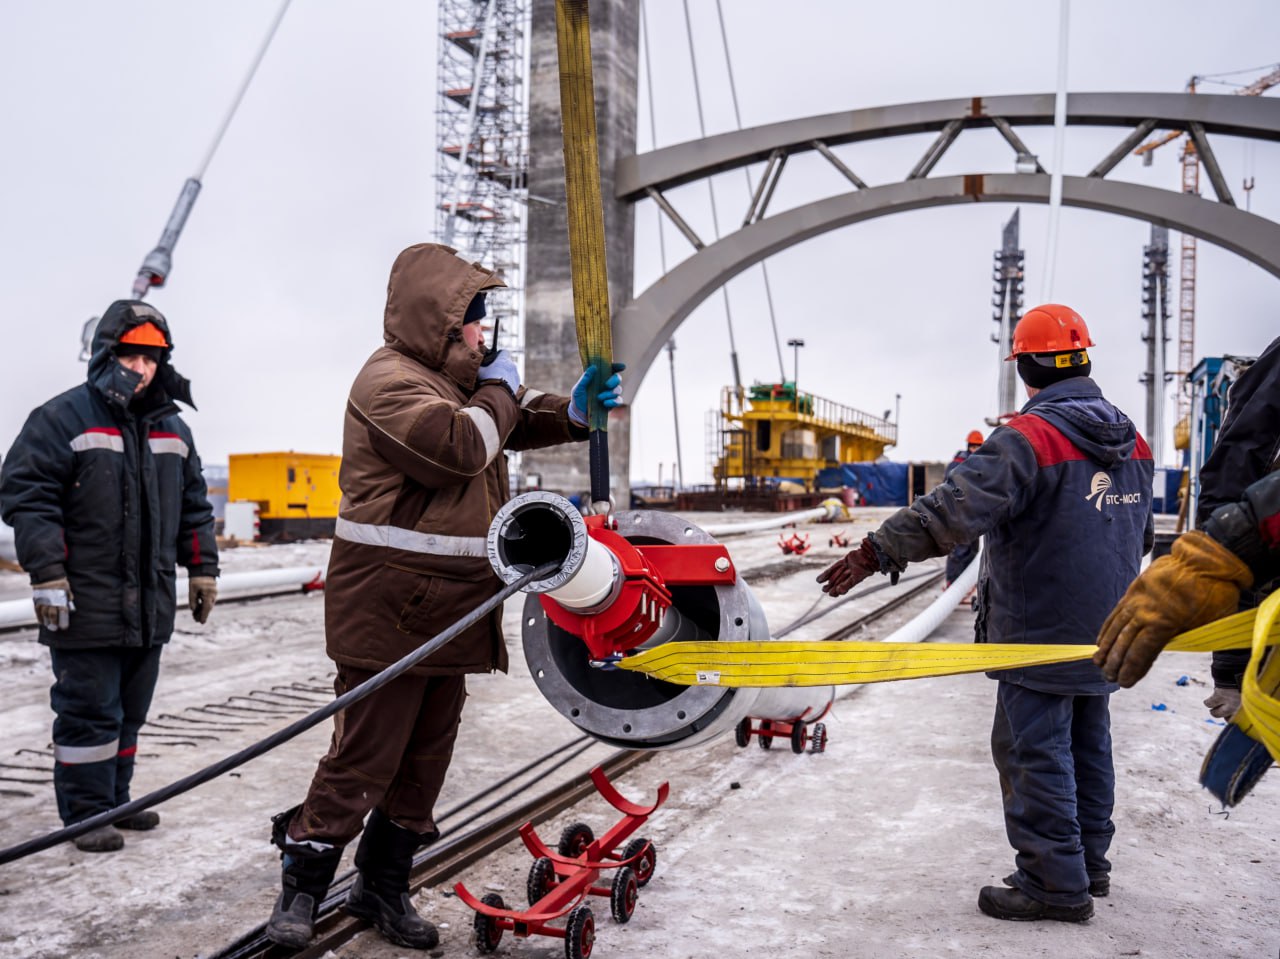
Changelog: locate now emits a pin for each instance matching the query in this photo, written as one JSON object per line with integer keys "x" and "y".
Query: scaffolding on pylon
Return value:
{"x": 482, "y": 146}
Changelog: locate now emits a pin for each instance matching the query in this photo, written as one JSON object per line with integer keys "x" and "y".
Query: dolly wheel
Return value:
{"x": 819, "y": 742}
{"x": 765, "y": 740}
{"x": 580, "y": 934}
{"x": 486, "y": 933}
{"x": 575, "y": 839}
{"x": 799, "y": 737}
{"x": 542, "y": 879}
{"x": 742, "y": 734}
{"x": 645, "y": 865}
{"x": 623, "y": 895}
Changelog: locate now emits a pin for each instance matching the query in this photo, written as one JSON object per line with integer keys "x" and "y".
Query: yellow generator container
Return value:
{"x": 297, "y": 493}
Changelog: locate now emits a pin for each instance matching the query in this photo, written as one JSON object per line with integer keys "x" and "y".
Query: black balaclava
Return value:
{"x": 1039, "y": 370}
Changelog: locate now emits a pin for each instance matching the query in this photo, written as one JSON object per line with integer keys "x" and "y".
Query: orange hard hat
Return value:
{"x": 145, "y": 334}
{"x": 1051, "y": 328}
{"x": 974, "y": 437}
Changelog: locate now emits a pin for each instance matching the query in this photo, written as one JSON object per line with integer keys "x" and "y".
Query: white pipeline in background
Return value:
{"x": 824, "y": 511}
{"x": 7, "y": 550}
{"x": 16, "y": 613}
{"x": 923, "y": 626}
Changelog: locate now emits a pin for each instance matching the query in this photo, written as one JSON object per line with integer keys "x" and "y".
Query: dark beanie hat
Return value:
{"x": 1039, "y": 370}
{"x": 475, "y": 309}
{"x": 138, "y": 349}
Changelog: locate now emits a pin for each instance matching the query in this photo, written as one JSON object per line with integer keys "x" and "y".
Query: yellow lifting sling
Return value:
{"x": 585, "y": 217}
{"x": 783, "y": 663}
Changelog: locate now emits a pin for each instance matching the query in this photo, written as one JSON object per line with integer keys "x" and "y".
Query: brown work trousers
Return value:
{"x": 390, "y": 750}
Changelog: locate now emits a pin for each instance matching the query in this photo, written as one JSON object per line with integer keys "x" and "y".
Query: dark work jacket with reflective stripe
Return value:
{"x": 1063, "y": 496}
{"x": 112, "y": 498}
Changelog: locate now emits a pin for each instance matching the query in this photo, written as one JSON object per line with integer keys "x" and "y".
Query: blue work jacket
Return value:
{"x": 1062, "y": 494}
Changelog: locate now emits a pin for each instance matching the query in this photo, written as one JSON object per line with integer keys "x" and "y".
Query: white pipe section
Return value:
{"x": 15, "y": 613}
{"x": 592, "y": 583}
{"x": 782, "y": 519}
{"x": 1059, "y": 143}
{"x": 7, "y": 549}
{"x": 922, "y": 627}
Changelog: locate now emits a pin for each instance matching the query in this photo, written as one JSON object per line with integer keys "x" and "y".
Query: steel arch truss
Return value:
{"x": 646, "y": 323}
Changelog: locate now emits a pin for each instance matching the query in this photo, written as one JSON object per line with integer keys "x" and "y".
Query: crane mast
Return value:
{"x": 1187, "y": 260}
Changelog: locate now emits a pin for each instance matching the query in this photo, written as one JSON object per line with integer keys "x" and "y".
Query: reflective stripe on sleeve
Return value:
{"x": 168, "y": 443}
{"x": 488, "y": 431}
{"x": 530, "y": 396}
{"x": 76, "y": 755}
{"x": 98, "y": 439}
{"x": 394, "y": 537}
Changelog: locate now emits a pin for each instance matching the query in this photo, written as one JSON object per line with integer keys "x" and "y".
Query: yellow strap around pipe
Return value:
{"x": 584, "y": 208}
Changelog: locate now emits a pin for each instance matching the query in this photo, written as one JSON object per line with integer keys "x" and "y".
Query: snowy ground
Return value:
{"x": 876, "y": 848}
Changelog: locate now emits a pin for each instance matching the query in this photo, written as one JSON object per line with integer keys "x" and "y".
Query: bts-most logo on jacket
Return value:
{"x": 1100, "y": 486}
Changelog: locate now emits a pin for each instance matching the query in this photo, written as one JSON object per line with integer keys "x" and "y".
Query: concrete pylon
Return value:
{"x": 551, "y": 361}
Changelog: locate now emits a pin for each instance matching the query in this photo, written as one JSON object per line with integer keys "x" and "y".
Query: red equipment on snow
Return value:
{"x": 795, "y": 729}
{"x": 839, "y": 538}
{"x": 560, "y": 880}
{"x": 796, "y": 545}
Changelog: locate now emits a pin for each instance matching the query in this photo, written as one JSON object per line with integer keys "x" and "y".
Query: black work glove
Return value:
{"x": 846, "y": 573}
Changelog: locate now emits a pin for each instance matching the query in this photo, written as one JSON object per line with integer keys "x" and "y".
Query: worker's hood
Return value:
{"x": 427, "y": 297}
{"x": 117, "y": 383}
{"x": 1081, "y": 413}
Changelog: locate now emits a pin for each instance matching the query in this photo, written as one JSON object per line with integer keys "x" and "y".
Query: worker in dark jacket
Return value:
{"x": 1062, "y": 494}
{"x": 423, "y": 474}
{"x": 958, "y": 559}
{"x": 104, "y": 492}
{"x": 1246, "y": 448}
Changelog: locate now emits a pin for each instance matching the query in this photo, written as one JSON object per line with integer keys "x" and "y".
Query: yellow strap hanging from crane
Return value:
{"x": 585, "y": 216}
{"x": 585, "y": 210}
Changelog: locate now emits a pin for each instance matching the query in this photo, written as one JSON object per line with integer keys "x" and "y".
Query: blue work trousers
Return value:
{"x": 1053, "y": 753}
{"x": 100, "y": 699}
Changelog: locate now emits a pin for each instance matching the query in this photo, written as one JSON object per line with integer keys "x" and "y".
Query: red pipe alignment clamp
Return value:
{"x": 638, "y": 607}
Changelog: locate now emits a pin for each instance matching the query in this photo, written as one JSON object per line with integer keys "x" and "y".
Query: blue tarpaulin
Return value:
{"x": 877, "y": 484}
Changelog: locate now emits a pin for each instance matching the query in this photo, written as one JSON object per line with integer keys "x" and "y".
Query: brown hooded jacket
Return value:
{"x": 423, "y": 473}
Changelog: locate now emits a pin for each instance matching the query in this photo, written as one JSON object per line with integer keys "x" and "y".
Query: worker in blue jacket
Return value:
{"x": 104, "y": 492}
{"x": 958, "y": 559}
{"x": 1062, "y": 494}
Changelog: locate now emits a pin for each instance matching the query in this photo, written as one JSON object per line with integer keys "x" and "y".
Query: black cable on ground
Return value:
{"x": 275, "y": 739}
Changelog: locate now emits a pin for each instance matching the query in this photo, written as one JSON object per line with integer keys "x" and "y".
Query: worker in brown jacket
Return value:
{"x": 423, "y": 473}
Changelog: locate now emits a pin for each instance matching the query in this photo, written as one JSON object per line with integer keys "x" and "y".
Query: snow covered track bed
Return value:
{"x": 876, "y": 847}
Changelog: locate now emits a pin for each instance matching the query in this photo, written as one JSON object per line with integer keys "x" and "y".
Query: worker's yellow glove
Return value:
{"x": 1198, "y": 582}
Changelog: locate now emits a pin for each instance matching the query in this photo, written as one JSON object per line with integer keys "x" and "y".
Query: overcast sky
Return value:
{"x": 278, "y": 283}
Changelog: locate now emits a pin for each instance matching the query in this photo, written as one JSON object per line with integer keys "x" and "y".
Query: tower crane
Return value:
{"x": 1191, "y": 184}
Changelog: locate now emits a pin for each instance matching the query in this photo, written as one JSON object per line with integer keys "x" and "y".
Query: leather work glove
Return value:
{"x": 1224, "y": 702}
{"x": 1199, "y": 581}
{"x": 502, "y": 368}
{"x": 609, "y": 393}
{"x": 847, "y": 572}
{"x": 202, "y": 593}
{"x": 54, "y": 604}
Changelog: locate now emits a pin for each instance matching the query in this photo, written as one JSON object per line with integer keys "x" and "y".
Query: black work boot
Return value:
{"x": 308, "y": 869}
{"x": 102, "y": 839}
{"x": 139, "y": 821}
{"x": 1099, "y": 886}
{"x": 1002, "y": 903}
{"x": 380, "y": 894}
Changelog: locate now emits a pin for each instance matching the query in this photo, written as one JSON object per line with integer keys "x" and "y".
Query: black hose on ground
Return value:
{"x": 188, "y": 783}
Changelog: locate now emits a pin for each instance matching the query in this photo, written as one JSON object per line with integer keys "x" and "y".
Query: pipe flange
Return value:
{"x": 501, "y": 539}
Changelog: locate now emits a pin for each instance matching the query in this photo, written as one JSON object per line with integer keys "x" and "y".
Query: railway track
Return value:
{"x": 450, "y": 855}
